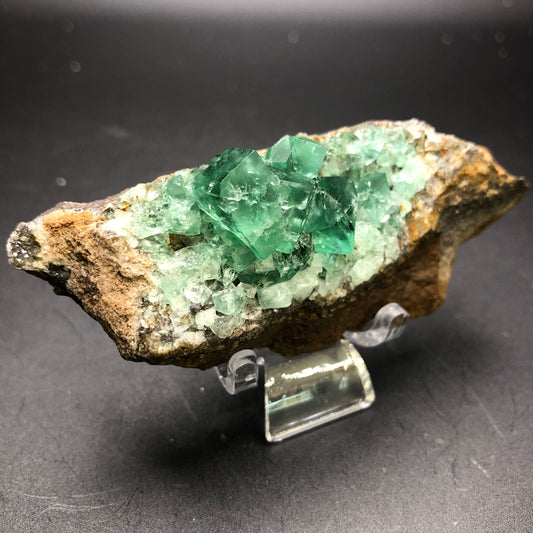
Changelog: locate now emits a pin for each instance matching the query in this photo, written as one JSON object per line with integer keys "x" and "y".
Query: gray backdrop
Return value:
{"x": 106, "y": 97}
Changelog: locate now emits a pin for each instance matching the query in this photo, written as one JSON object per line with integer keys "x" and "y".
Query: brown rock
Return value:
{"x": 68, "y": 247}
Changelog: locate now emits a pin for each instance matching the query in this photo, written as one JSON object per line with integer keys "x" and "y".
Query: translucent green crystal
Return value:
{"x": 274, "y": 297}
{"x": 249, "y": 232}
{"x": 230, "y": 301}
{"x": 297, "y": 155}
{"x": 261, "y": 204}
{"x": 240, "y": 193}
{"x": 331, "y": 219}
{"x": 374, "y": 194}
{"x": 287, "y": 265}
{"x": 181, "y": 216}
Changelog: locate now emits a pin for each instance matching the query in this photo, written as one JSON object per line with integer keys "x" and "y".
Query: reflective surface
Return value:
{"x": 240, "y": 372}
{"x": 318, "y": 387}
{"x": 314, "y": 389}
{"x": 389, "y": 323}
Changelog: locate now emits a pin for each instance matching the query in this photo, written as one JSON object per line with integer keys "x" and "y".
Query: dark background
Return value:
{"x": 107, "y": 97}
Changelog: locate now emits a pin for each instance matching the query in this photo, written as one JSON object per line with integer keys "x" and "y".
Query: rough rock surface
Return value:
{"x": 68, "y": 247}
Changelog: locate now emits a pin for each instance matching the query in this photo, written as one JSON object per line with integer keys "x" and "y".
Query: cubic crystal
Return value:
{"x": 331, "y": 220}
{"x": 305, "y": 218}
{"x": 230, "y": 301}
{"x": 285, "y": 248}
{"x": 297, "y": 155}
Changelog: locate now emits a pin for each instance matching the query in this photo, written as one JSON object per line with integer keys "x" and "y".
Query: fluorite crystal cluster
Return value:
{"x": 271, "y": 229}
{"x": 285, "y": 247}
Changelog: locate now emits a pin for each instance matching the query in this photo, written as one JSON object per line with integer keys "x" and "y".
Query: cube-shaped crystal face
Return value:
{"x": 332, "y": 216}
{"x": 265, "y": 204}
{"x": 270, "y": 230}
{"x": 297, "y": 154}
{"x": 243, "y": 196}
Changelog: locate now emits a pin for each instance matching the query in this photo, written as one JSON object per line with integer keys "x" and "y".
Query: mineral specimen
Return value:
{"x": 285, "y": 248}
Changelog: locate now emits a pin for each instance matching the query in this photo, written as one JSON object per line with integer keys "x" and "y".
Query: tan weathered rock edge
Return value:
{"x": 467, "y": 192}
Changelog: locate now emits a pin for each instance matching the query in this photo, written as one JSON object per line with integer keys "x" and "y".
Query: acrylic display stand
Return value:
{"x": 313, "y": 389}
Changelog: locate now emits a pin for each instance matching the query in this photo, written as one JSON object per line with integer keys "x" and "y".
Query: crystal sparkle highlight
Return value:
{"x": 263, "y": 230}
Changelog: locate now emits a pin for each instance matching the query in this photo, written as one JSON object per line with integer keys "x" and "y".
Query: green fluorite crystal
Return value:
{"x": 331, "y": 217}
{"x": 297, "y": 155}
{"x": 249, "y": 231}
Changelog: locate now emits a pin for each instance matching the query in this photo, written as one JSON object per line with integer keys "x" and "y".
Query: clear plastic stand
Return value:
{"x": 314, "y": 389}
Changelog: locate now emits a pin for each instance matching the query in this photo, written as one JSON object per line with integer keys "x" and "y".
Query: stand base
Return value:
{"x": 314, "y": 389}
